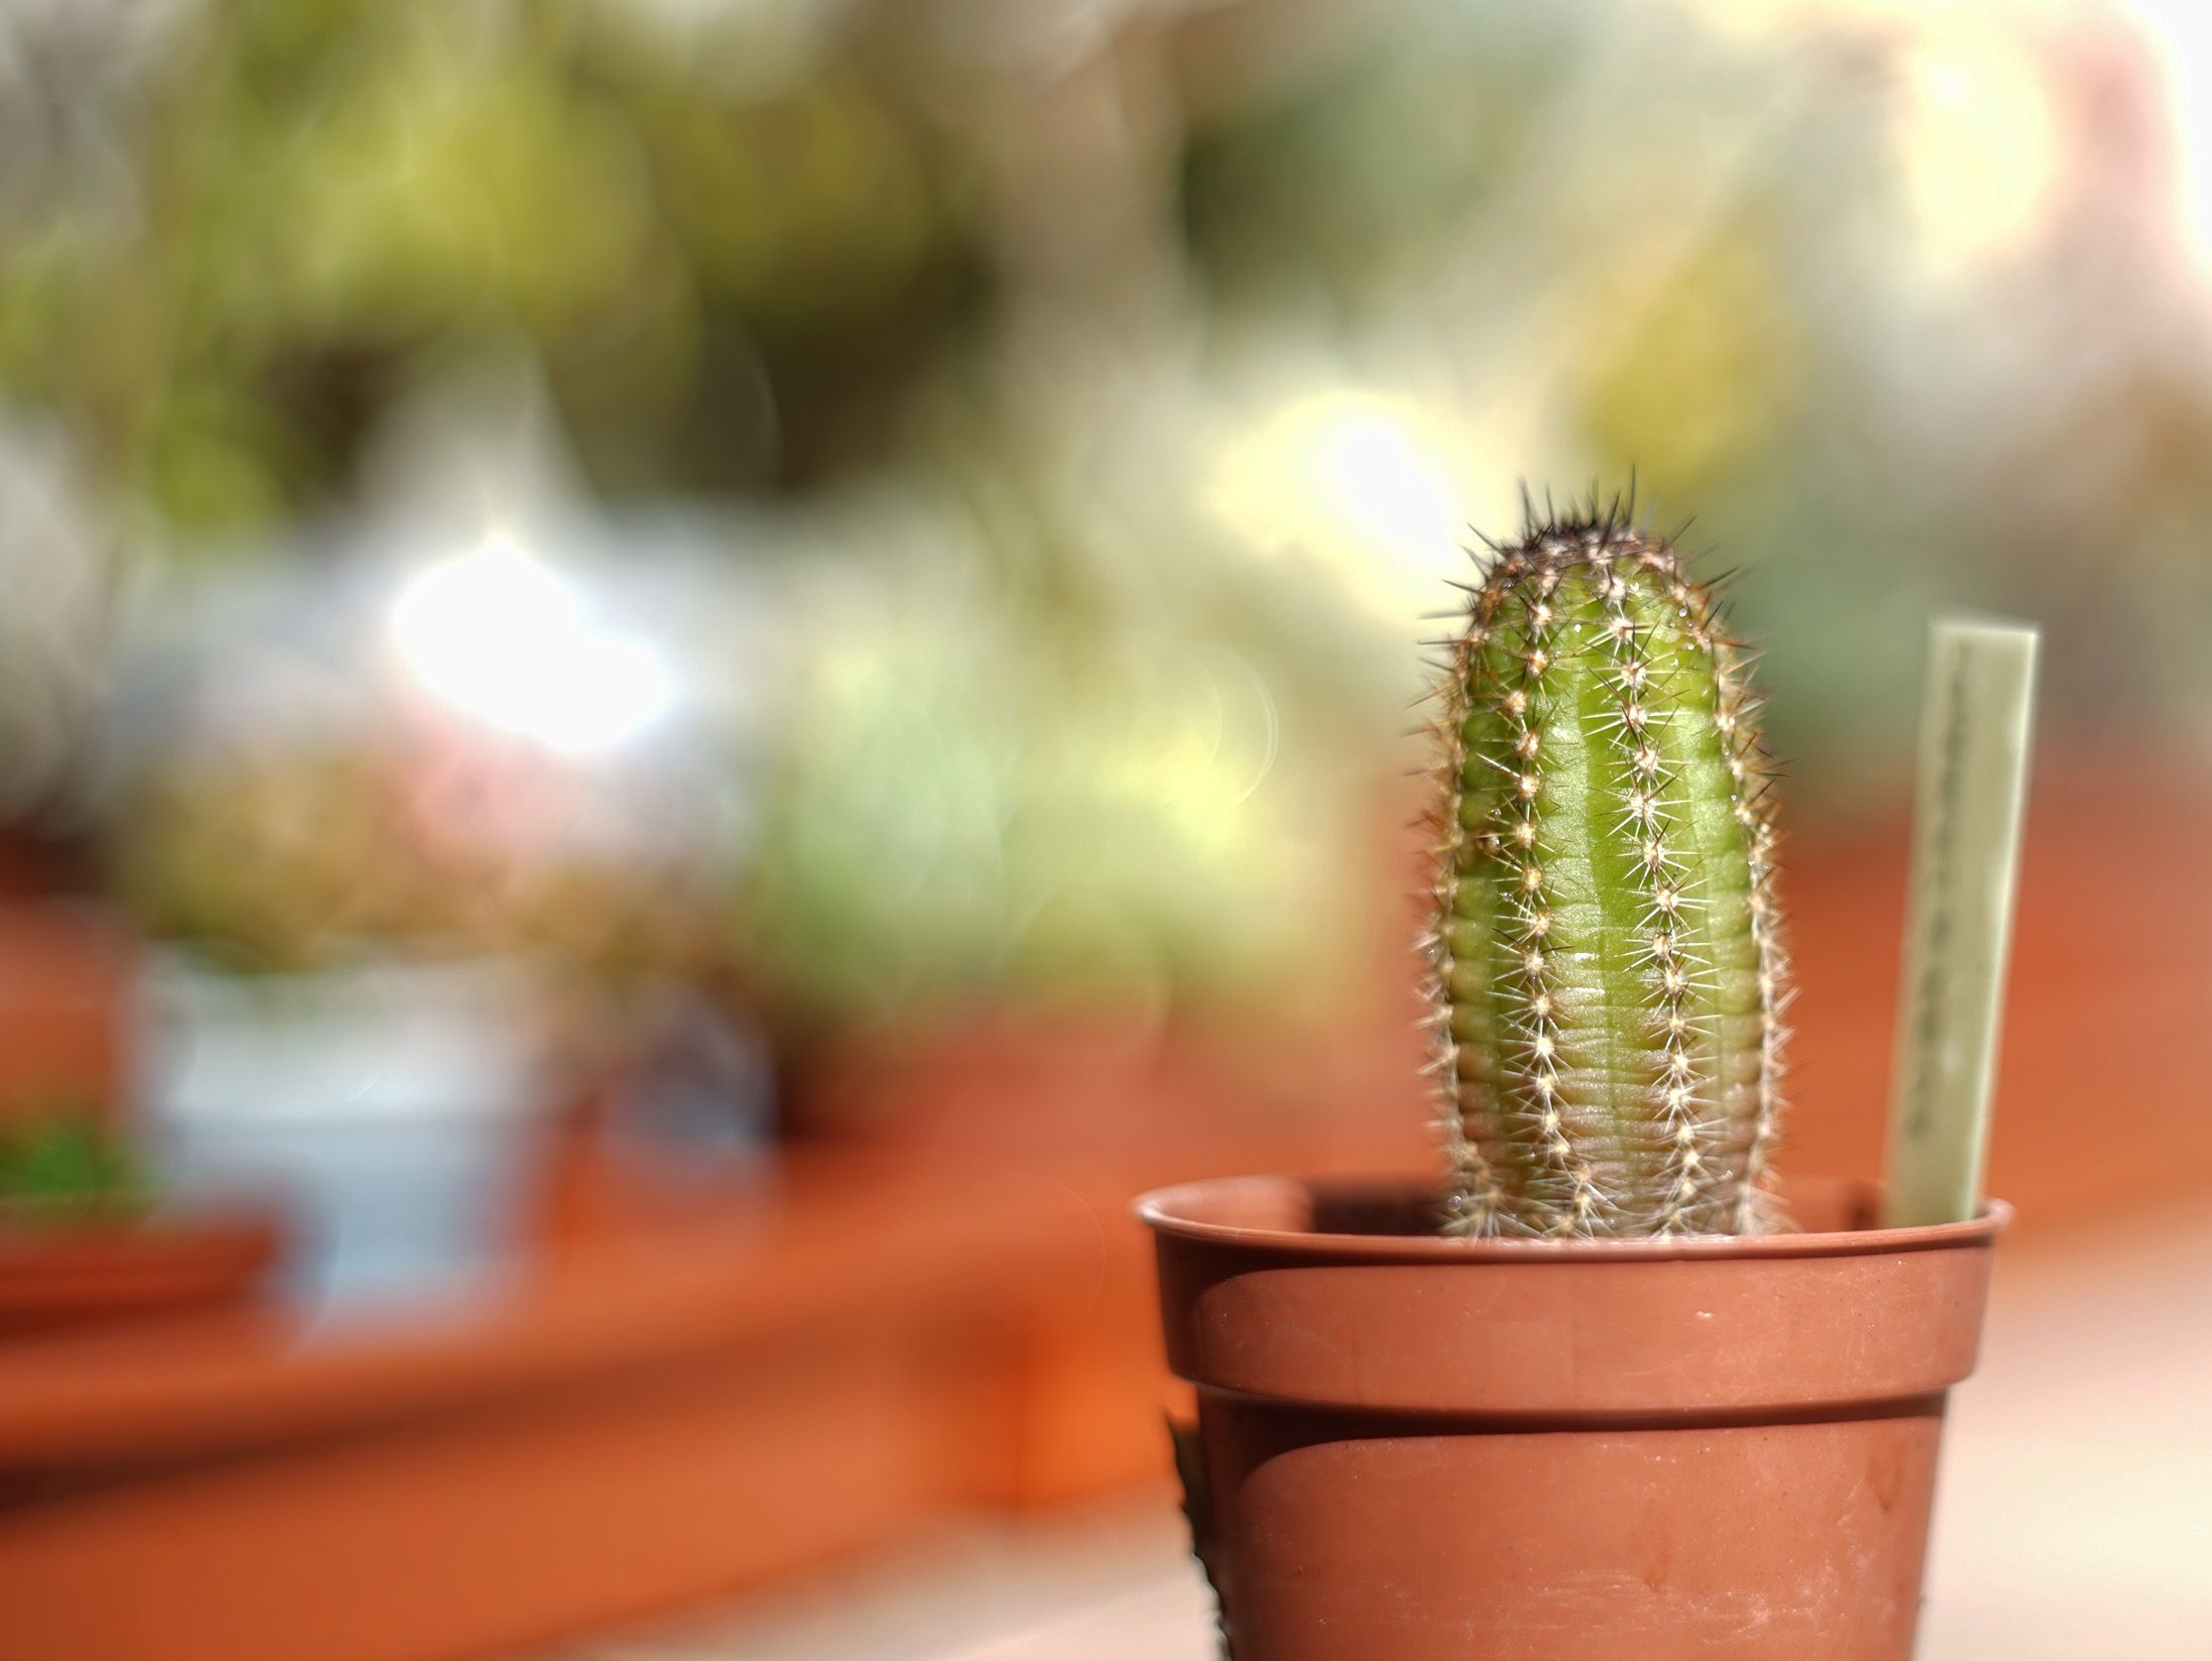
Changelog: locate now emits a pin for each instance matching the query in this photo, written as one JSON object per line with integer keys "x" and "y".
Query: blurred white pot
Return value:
{"x": 397, "y": 1108}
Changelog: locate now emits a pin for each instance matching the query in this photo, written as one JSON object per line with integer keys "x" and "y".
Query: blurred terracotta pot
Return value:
{"x": 1415, "y": 1449}
{"x": 66, "y": 1271}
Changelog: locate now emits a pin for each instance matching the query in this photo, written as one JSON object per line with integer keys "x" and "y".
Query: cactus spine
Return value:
{"x": 1608, "y": 975}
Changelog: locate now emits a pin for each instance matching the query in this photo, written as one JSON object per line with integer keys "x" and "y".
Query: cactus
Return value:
{"x": 1608, "y": 975}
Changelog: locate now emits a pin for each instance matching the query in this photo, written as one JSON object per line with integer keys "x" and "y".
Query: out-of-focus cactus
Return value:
{"x": 1609, "y": 979}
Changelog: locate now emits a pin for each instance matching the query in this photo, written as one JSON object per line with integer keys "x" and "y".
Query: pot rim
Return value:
{"x": 1179, "y": 1210}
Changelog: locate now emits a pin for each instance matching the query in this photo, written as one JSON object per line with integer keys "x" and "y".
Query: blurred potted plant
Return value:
{"x": 1613, "y": 1391}
{"x": 996, "y": 840}
{"x": 382, "y": 938}
{"x": 346, "y": 1003}
{"x": 85, "y": 1233}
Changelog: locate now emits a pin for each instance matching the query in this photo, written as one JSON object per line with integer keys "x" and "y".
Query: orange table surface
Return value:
{"x": 821, "y": 1242}
{"x": 655, "y": 1415}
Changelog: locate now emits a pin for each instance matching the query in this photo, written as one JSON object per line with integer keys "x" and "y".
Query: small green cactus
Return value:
{"x": 1609, "y": 979}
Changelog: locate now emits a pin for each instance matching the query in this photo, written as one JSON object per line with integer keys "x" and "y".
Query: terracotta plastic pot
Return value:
{"x": 1414, "y": 1448}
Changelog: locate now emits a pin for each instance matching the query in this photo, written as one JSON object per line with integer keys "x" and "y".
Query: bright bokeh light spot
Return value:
{"x": 497, "y": 636}
{"x": 1365, "y": 482}
{"x": 1380, "y": 475}
{"x": 1980, "y": 144}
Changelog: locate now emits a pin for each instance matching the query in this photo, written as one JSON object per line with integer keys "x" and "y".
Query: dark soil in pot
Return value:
{"x": 1415, "y": 1449}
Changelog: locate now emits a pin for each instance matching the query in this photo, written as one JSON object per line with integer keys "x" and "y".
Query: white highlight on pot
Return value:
{"x": 497, "y": 636}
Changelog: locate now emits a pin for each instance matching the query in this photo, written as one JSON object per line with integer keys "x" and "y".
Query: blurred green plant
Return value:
{"x": 341, "y": 195}
{"x": 1372, "y": 163}
{"x": 61, "y": 1160}
{"x": 968, "y": 812}
{"x": 1702, "y": 367}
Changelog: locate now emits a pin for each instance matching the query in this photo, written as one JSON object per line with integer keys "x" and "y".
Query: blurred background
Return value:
{"x": 683, "y": 681}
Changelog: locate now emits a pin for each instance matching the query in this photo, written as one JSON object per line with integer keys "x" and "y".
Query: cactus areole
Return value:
{"x": 1608, "y": 978}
